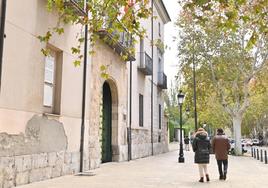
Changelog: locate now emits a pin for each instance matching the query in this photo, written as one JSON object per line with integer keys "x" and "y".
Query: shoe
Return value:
{"x": 224, "y": 176}
{"x": 201, "y": 180}
{"x": 207, "y": 177}
{"x": 221, "y": 177}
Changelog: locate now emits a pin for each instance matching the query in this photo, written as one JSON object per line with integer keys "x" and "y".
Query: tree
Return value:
{"x": 229, "y": 59}
{"x": 115, "y": 15}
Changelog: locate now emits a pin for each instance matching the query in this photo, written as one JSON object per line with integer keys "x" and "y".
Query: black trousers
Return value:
{"x": 224, "y": 164}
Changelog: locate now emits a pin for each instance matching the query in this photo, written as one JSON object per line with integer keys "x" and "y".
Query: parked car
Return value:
{"x": 243, "y": 142}
{"x": 246, "y": 142}
{"x": 255, "y": 142}
{"x": 249, "y": 142}
{"x": 232, "y": 150}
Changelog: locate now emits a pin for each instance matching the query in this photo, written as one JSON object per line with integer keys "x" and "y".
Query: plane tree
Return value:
{"x": 227, "y": 60}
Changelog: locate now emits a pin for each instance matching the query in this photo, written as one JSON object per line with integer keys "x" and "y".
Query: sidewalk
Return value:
{"x": 163, "y": 171}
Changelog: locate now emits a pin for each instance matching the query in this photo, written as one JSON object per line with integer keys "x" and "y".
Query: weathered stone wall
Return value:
{"x": 41, "y": 135}
{"x": 141, "y": 142}
{"x": 24, "y": 169}
{"x": 117, "y": 71}
{"x": 39, "y": 154}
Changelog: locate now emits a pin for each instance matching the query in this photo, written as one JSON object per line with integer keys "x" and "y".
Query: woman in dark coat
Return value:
{"x": 201, "y": 147}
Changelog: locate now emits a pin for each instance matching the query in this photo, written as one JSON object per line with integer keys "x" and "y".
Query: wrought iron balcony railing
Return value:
{"x": 145, "y": 64}
{"x": 120, "y": 41}
{"x": 76, "y": 6}
{"x": 162, "y": 80}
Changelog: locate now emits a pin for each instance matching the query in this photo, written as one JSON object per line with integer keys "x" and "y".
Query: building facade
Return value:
{"x": 149, "y": 132}
{"x": 41, "y": 99}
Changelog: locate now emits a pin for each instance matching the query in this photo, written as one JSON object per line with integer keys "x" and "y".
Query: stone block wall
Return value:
{"x": 24, "y": 169}
{"x": 141, "y": 142}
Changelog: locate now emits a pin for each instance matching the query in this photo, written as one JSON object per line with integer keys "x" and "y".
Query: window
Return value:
{"x": 52, "y": 82}
{"x": 159, "y": 116}
{"x": 140, "y": 110}
{"x": 159, "y": 64}
{"x": 141, "y": 45}
{"x": 159, "y": 29}
{"x": 159, "y": 138}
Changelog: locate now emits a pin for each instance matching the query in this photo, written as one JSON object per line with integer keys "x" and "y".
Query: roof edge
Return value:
{"x": 163, "y": 9}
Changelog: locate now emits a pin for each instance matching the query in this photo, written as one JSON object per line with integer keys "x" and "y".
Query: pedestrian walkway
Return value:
{"x": 163, "y": 171}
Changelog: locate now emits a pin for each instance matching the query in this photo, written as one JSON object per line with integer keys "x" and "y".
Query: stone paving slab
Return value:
{"x": 163, "y": 171}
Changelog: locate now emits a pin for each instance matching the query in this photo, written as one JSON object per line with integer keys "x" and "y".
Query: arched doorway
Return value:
{"x": 106, "y": 147}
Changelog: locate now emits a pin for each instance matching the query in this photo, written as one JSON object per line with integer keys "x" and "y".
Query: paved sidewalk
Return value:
{"x": 163, "y": 171}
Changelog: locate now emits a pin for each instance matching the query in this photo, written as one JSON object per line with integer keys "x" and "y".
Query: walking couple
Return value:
{"x": 201, "y": 146}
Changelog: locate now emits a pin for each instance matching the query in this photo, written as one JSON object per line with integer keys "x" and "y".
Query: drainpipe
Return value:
{"x": 130, "y": 114}
{"x": 83, "y": 96}
{"x": 152, "y": 83}
{"x": 2, "y": 35}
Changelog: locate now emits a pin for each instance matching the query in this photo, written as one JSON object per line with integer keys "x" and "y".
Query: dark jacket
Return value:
{"x": 186, "y": 140}
{"x": 221, "y": 146}
{"x": 201, "y": 146}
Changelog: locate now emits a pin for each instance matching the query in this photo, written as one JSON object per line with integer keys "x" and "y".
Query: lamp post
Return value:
{"x": 180, "y": 101}
{"x": 194, "y": 65}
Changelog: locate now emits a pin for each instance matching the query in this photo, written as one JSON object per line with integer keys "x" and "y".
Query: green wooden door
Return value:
{"x": 107, "y": 124}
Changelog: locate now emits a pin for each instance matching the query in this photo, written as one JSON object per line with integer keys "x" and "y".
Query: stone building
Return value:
{"x": 148, "y": 119}
{"x": 41, "y": 98}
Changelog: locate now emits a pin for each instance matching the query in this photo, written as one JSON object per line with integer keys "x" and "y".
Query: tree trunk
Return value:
{"x": 237, "y": 120}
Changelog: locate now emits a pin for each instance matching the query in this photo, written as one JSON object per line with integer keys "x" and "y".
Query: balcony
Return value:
{"x": 162, "y": 80}
{"x": 146, "y": 63}
{"x": 76, "y": 6}
{"x": 120, "y": 41}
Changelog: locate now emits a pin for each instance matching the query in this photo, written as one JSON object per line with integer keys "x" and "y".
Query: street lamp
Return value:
{"x": 180, "y": 101}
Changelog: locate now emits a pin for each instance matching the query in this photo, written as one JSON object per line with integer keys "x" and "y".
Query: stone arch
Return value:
{"x": 114, "y": 117}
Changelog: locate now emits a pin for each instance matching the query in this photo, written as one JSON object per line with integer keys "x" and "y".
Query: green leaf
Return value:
{"x": 75, "y": 50}
{"x": 103, "y": 68}
{"x": 77, "y": 63}
{"x": 45, "y": 52}
{"x": 104, "y": 75}
{"x": 59, "y": 30}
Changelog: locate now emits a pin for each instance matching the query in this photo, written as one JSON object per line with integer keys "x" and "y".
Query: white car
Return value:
{"x": 232, "y": 146}
{"x": 255, "y": 142}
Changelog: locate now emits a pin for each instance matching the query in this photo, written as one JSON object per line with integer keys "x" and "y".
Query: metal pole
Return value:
{"x": 2, "y": 36}
{"x": 195, "y": 110}
{"x": 152, "y": 83}
{"x": 83, "y": 96}
{"x": 181, "y": 158}
{"x": 265, "y": 157}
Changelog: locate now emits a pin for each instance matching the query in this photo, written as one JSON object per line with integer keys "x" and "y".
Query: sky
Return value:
{"x": 171, "y": 52}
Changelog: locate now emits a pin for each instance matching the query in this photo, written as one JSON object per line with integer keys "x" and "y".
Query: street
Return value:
{"x": 163, "y": 171}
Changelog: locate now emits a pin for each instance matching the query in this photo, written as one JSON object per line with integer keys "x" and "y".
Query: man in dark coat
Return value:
{"x": 201, "y": 146}
{"x": 221, "y": 146}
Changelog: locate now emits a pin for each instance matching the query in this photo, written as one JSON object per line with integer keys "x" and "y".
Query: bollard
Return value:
{"x": 265, "y": 157}
{"x": 258, "y": 156}
{"x": 252, "y": 152}
{"x": 261, "y": 156}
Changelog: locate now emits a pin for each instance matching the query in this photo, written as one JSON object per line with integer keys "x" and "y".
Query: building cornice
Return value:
{"x": 162, "y": 11}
